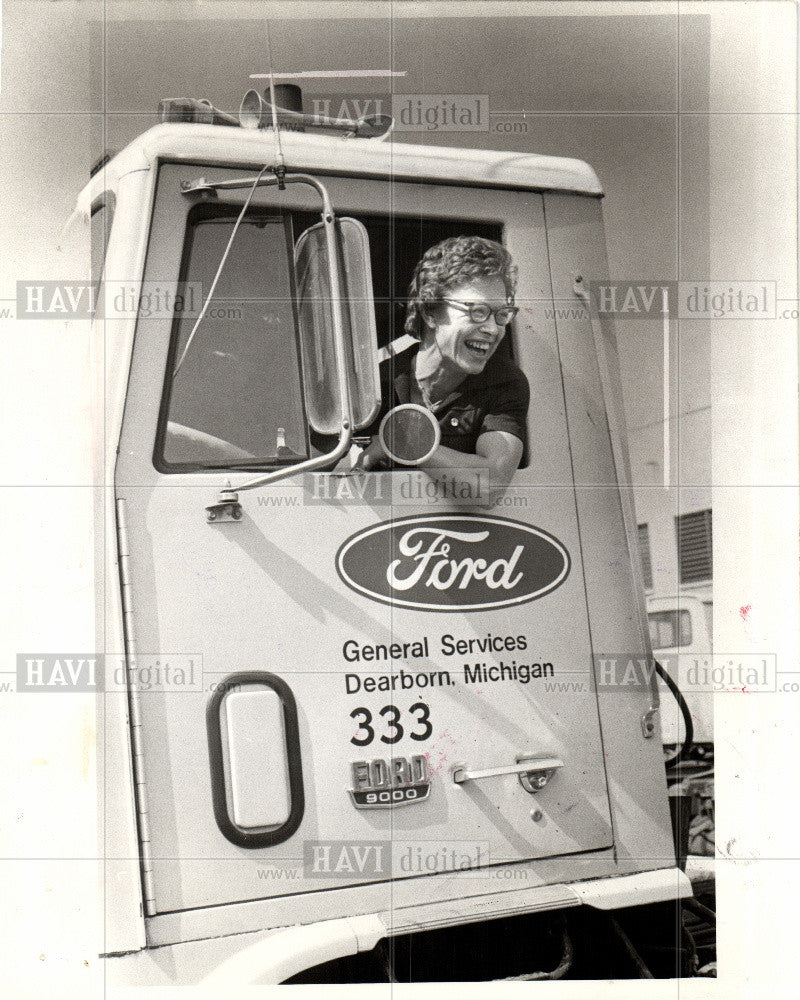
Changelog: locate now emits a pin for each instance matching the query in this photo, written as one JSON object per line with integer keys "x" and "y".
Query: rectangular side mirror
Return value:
{"x": 316, "y": 326}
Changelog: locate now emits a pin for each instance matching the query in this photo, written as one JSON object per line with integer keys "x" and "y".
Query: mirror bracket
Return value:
{"x": 227, "y": 507}
{"x": 201, "y": 185}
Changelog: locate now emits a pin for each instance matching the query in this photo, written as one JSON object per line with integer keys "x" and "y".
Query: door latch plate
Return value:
{"x": 542, "y": 770}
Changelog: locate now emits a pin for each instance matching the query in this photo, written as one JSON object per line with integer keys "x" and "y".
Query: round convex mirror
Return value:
{"x": 409, "y": 434}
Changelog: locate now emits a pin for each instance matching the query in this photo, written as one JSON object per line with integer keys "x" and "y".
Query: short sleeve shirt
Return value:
{"x": 497, "y": 399}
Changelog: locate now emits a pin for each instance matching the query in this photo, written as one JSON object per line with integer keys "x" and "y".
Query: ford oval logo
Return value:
{"x": 452, "y": 563}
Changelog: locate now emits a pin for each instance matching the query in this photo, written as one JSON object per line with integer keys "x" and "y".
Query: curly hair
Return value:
{"x": 451, "y": 263}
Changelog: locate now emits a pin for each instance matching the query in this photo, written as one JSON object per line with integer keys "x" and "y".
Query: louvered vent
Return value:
{"x": 694, "y": 546}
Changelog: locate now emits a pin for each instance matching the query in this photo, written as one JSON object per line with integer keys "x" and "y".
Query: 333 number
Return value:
{"x": 391, "y": 715}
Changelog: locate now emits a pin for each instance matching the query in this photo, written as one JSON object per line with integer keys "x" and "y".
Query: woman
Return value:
{"x": 460, "y": 301}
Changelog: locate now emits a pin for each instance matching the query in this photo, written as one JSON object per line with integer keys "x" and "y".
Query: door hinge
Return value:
{"x": 137, "y": 749}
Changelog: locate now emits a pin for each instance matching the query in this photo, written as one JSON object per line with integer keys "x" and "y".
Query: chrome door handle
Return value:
{"x": 534, "y": 772}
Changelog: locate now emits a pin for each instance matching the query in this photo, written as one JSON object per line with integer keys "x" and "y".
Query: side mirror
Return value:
{"x": 410, "y": 434}
{"x": 317, "y": 330}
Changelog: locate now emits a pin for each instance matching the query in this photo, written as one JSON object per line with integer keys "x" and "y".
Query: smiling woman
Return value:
{"x": 460, "y": 303}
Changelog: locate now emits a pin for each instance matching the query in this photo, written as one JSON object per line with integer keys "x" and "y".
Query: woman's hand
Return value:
{"x": 373, "y": 456}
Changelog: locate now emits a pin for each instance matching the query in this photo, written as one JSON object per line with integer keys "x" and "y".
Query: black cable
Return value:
{"x": 688, "y": 738}
{"x": 700, "y": 910}
{"x": 633, "y": 954}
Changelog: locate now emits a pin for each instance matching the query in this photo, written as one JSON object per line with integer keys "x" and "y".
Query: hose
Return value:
{"x": 641, "y": 968}
{"x": 700, "y": 910}
{"x": 688, "y": 738}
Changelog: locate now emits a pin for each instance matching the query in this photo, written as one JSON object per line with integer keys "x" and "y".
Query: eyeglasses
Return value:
{"x": 479, "y": 312}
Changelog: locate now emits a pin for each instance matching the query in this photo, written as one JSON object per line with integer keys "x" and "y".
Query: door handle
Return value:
{"x": 534, "y": 772}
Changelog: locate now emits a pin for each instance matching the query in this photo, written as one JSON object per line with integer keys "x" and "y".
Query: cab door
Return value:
{"x": 315, "y": 690}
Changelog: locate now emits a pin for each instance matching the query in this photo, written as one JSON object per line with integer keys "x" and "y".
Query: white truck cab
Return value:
{"x": 328, "y": 728}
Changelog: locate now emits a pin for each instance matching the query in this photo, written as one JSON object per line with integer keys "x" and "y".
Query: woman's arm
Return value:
{"x": 496, "y": 452}
{"x": 496, "y": 459}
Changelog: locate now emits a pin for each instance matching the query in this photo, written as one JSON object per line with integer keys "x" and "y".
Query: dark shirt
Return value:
{"x": 495, "y": 400}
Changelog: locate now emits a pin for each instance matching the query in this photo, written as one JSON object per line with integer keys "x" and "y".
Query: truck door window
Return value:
{"x": 397, "y": 242}
{"x": 236, "y": 400}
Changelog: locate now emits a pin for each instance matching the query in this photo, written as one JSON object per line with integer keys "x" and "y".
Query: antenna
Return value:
{"x": 281, "y": 162}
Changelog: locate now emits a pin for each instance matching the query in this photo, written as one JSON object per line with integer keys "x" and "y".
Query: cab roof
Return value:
{"x": 252, "y": 148}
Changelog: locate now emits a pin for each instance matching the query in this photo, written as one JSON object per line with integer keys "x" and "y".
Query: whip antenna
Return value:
{"x": 281, "y": 163}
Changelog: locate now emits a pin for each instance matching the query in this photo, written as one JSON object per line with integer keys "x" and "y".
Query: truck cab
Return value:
{"x": 310, "y": 754}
